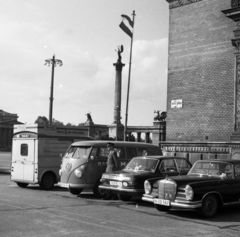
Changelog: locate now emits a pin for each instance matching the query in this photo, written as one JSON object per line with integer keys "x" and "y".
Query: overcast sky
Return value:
{"x": 84, "y": 34}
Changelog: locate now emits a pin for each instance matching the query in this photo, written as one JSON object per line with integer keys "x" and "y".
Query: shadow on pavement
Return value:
{"x": 4, "y": 170}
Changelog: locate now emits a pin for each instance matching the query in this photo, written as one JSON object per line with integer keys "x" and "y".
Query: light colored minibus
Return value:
{"x": 84, "y": 162}
{"x": 36, "y": 152}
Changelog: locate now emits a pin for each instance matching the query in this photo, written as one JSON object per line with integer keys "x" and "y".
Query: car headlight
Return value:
{"x": 60, "y": 172}
{"x": 78, "y": 172}
{"x": 147, "y": 187}
{"x": 125, "y": 184}
{"x": 189, "y": 192}
{"x": 82, "y": 167}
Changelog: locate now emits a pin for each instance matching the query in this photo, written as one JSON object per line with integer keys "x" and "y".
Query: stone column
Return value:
{"x": 118, "y": 92}
{"x": 147, "y": 137}
{"x": 1, "y": 140}
{"x": 4, "y": 137}
{"x": 139, "y": 136}
{"x": 234, "y": 14}
{"x": 116, "y": 129}
{"x": 237, "y": 93}
{"x": 236, "y": 44}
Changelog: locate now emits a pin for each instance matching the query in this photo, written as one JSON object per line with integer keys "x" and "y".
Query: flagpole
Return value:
{"x": 129, "y": 75}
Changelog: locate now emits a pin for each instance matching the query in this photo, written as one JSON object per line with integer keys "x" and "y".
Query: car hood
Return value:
{"x": 193, "y": 180}
{"x": 128, "y": 173}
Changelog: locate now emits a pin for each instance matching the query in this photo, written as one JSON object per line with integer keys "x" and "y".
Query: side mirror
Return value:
{"x": 91, "y": 157}
{"x": 61, "y": 155}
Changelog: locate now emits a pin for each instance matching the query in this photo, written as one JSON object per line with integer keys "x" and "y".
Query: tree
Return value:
{"x": 57, "y": 122}
{"x": 70, "y": 124}
{"x": 41, "y": 120}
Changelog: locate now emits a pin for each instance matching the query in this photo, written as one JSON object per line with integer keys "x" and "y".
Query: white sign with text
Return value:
{"x": 176, "y": 104}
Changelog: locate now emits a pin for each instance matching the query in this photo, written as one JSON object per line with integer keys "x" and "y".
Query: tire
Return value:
{"x": 99, "y": 193}
{"x": 162, "y": 208}
{"x": 47, "y": 181}
{"x": 209, "y": 207}
{"x": 22, "y": 185}
{"x": 75, "y": 191}
{"x": 124, "y": 198}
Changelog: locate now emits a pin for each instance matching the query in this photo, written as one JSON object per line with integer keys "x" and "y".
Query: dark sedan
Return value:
{"x": 209, "y": 185}
{"x": 130, "y": 181}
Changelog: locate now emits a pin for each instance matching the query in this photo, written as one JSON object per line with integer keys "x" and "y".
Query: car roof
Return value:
{"x": 222, "y": 160}
{"x": 116, "y": 143}
{"x": 159, "y": 157}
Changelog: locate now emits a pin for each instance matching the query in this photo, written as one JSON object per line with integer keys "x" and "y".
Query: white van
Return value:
{"x": 36, "y": 152}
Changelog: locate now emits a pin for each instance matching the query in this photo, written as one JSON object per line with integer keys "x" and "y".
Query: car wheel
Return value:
{"x": 162, "y": 208}
{"x": 209, "y": 206}
{"x": 75, "y": 191}
{"x": 47, "y": 181}
{"x": 124, "y": 197}
{"x": 99, "y": 193}
{"x": 22, "y": 185}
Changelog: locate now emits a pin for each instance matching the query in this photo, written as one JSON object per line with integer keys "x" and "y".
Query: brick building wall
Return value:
{"x": 201, "y": 71}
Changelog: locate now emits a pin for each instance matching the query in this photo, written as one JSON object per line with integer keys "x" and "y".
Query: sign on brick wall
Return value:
{"x": 176, "y": 104}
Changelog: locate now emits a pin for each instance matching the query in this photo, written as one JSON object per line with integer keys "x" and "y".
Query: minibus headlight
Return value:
{"x": 147, "y": 187}
{"x": 78, "y": 173}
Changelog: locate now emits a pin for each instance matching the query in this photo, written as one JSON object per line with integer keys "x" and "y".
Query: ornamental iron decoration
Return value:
{"x": 238, "y": 92}
{"x": 236, "y": 44}
{"x": 235, "y": 3}
{"x": 179, "y": 3}
{"x": 197, "y": 149}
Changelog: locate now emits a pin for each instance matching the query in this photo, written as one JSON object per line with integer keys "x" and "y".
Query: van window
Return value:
{"x": 142, "y": 152}
{"x": 24, "y": 150}
{"x": 120, "y": 153}
{"x": 103, "y": 152}
{"x": 131, "y": 152}
{"x": 77, "y": 152}
{"x": 94, "y": 151}
{"x": 154, "y": 151}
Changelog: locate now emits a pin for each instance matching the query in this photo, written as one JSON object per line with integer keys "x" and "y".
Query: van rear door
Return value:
{"x": 23, "y": 160}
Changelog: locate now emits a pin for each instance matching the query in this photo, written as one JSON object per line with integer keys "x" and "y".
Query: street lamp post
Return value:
{"x": 54, "y": 63}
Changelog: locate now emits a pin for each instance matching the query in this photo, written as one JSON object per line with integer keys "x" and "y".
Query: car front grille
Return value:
{"x": 167, "y": 189}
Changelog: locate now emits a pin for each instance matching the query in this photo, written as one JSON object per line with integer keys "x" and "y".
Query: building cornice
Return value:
{"x": 180, "y": 3}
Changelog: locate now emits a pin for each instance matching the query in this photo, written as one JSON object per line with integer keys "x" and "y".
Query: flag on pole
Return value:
{"x": 124, "y": 27}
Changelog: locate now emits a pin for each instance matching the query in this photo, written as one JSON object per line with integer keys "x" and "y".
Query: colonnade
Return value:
{"x": 6, "y": 134}
{"x": 139, "y": 138}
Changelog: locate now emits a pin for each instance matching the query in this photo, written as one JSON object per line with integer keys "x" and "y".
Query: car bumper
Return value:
{"x": 176, "y": 203}
{"x": 121, "y": 190}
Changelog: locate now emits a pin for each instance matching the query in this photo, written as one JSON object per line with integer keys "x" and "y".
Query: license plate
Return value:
{"x": 161, "y": 202}
{"x": 114, "y": 183}
{"x": 63, "y": 185}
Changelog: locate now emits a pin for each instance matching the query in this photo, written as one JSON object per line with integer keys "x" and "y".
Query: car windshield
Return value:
{"x": 218, "y": 169}
{"x": 142, "y": 164}
{"x": 77, "y": 152}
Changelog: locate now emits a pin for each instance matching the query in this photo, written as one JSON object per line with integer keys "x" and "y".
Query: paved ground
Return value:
{"x": 32, "y": 212}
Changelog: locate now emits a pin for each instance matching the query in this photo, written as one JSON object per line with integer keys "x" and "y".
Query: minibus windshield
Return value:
{"x": 78, "y": 152}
